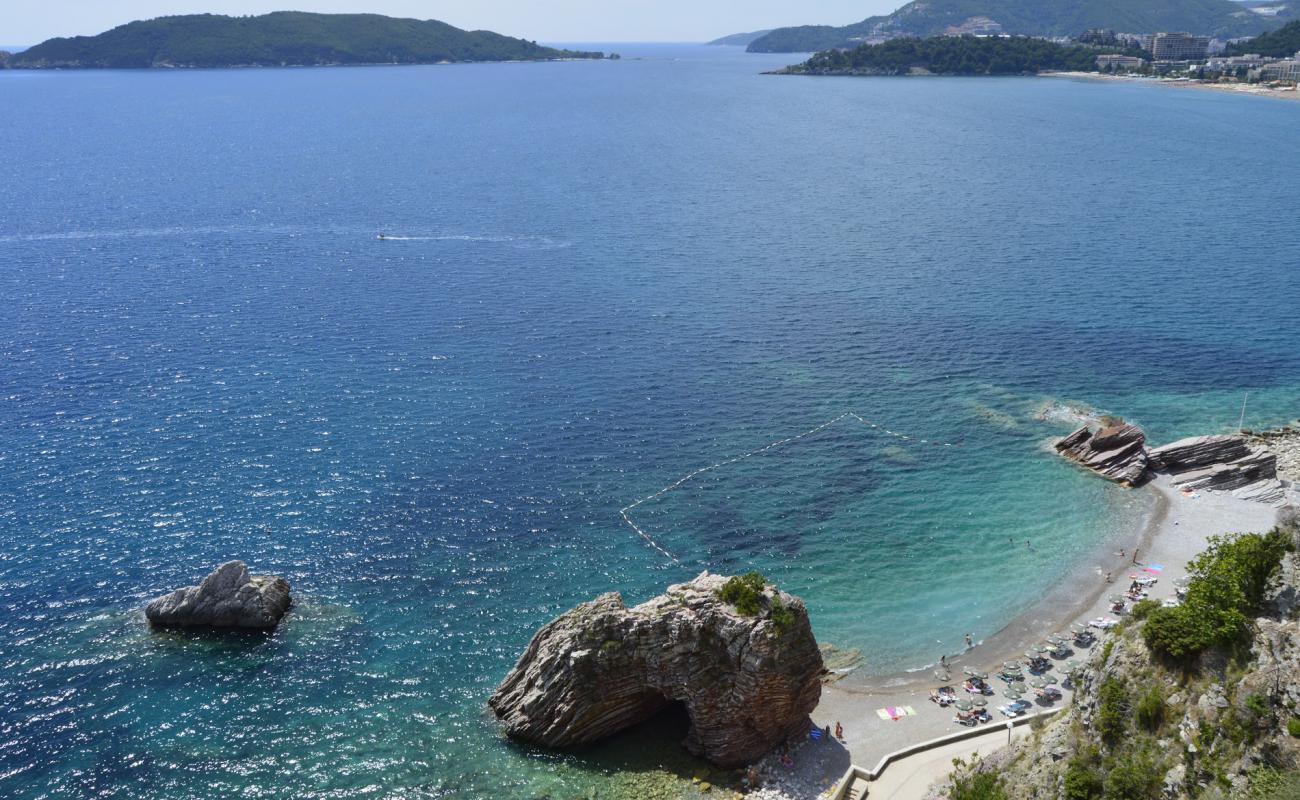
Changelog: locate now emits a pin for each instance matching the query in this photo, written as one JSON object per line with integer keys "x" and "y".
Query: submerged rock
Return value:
{"x": 228, "y": 598}
{"x": 1117, "y": 452}
{"x": 747, "y": 682}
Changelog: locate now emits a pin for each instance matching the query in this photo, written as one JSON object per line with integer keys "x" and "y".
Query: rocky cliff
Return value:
{"x": 227, "y": 598}
{"x": 747, "y": 680}
{"x": 1224, "y": 725}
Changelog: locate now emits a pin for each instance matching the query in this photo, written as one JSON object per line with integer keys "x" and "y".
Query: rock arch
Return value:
{"x": 747, "y": 682}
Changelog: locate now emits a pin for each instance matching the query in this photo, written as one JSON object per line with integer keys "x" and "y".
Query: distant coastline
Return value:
{"x": 282, "y": 39}
{"x": 1253, "y": 90}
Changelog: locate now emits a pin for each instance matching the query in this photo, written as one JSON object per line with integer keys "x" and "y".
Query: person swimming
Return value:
{"x": 383, "y": 236}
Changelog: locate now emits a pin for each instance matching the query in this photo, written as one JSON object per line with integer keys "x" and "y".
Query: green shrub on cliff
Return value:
{"x": 745, "y": 592}
{"x": 1137, "y": 776}
{"x": 1228, "y": 582}
{"x": 980, "y": 786}
{"x": 1112, "y": 715}
{"x": 1082, "y": 782}
{"x": 1143, "y": 608}
{"x": 1151, "y": 709}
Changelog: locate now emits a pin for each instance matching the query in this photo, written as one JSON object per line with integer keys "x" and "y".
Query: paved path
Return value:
{"x": 909, "y": 778}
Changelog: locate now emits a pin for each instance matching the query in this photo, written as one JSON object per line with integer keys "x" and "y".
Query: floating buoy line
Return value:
{"x": 625, "y": 512}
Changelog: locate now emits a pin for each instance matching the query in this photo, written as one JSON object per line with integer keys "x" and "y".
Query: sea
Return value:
{"x": 596, "y": 279}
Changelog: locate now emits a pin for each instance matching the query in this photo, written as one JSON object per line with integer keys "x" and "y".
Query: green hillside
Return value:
{"x": 739, "y": 39}
{"x": 286, "y": 38}
{"x": 1284, "y": 41}
{"x": 952, "y": 55}
{"x": 922, "y": 18}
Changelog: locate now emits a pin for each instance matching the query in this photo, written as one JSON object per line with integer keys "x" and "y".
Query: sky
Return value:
{"x": 27, "y": 22}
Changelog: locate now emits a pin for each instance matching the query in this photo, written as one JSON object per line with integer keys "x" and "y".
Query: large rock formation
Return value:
{"x": 1197, "y": 452}
{"x": 1221, "y": 463}
{"x": 228, "y": 598}
{"x": 747, "y": 682}
{"x": 1117, "y": 452}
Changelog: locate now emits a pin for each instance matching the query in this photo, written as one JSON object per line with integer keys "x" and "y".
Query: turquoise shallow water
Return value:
{"x": 611, "y": 274}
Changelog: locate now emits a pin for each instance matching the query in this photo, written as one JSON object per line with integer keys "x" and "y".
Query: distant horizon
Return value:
{"x": 33, "y": 21}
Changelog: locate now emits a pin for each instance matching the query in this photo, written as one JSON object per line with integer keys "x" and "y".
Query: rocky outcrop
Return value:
{"x": 228, "y": 598}
{"x": 747, "y": 682}
{"x": 1284, "y": 442}
{"x": 1197, "y": 452}
{"x": 1117, "y": 452}
{"x": 1221, "y": 463}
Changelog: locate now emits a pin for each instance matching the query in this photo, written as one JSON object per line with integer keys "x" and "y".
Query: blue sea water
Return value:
{"x": 605, "y": 276}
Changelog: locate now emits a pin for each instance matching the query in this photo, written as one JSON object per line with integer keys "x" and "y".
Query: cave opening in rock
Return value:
{"x": 663, "y": 730}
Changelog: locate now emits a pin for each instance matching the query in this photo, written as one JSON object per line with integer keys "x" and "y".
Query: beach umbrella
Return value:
{"x": 1117, "y": 598}
{"x": 1017, "y": 686}
{"x": 1183, "y": 582}
{"x": 977, "y": 674}
{"x": 964, "y": 705}
{"x": 1012, "y": 694}
{"x": 1011, "y": 665}
{"x": 1074, "y": 665}
{"x": 1041, "y": 681}
{"x": 979, "y": 702}
{"x": 1055, "y": 640}
{"x": 1039, "y": 649}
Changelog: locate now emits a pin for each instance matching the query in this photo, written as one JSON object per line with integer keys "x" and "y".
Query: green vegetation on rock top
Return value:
{"x": 285, "y": 38}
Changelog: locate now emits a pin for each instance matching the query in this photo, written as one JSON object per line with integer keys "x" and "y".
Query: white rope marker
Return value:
{"x": 779, "y": 443}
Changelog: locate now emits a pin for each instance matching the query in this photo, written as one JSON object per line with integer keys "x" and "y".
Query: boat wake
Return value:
{"x": 517, "y": 242}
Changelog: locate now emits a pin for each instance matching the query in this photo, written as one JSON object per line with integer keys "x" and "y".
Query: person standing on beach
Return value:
{"x": 1135, "y": 557}
{"x": 970, "y": 641}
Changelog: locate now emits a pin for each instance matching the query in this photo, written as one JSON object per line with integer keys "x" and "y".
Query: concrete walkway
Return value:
{"x": 910, "y": 778}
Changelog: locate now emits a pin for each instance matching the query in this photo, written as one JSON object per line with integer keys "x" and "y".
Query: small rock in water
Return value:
{"x": 228, "y": 598}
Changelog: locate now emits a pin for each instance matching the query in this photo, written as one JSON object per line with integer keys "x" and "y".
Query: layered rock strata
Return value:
{"x": 1221, "y": 463}
{"x": 227, "y": 598}
{"x": 1117, "y": 452}
{"x": 747, "y": 682}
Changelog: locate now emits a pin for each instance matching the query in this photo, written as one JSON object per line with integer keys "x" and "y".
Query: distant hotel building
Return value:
{"x": 1236, "y": 64}
{"x": 1116, "y": 62}
{"x": 1179, "y": 47}
{"x": 1285, "y": 70}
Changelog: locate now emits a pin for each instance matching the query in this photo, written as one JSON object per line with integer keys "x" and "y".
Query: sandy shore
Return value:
{"x": 1177, "y": 530}
{"x": 1254, "y": 90}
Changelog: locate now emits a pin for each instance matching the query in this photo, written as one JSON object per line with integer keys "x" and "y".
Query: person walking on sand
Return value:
{"x": 839, "y": 731}
{"x": 1135, "y": 557}
{"x": 1109, "y": 579}
{"x": 970, "y": 641}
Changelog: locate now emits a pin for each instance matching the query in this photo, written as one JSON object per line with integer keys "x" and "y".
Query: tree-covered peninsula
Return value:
{"x": 952, "y": 55}
{"x": 1281, "y": 43}
{"x": 285, "y": 38}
